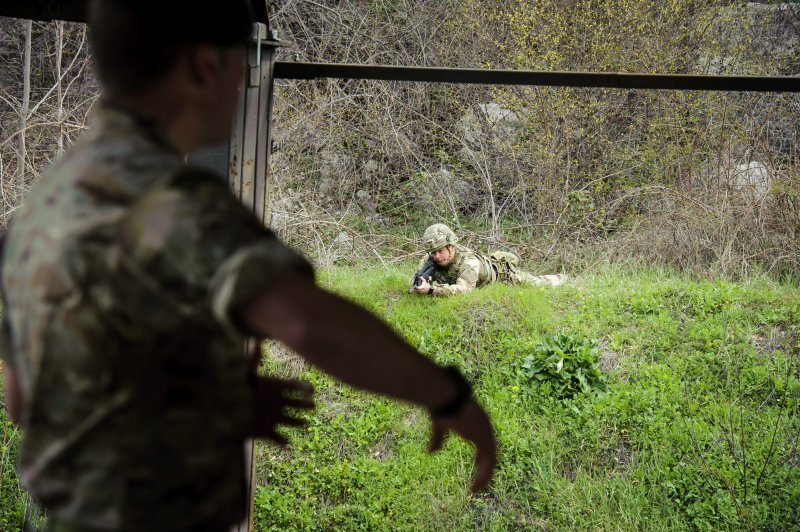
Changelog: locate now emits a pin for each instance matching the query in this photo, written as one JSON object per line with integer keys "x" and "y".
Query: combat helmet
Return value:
{"x": 438, "y": 236}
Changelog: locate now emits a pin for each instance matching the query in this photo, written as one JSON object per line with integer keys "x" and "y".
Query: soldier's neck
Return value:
{"x": 169, "y": 111}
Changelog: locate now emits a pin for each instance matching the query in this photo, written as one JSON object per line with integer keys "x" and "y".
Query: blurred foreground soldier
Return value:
{"x": 131, "y": 283}
{"x": 451, "y": 269}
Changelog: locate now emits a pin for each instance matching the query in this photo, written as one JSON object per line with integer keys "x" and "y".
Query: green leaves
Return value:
{"x": 569, "y": 363}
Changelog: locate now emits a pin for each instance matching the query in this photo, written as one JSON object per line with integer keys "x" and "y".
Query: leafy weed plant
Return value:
{"x": 569, "y": 364}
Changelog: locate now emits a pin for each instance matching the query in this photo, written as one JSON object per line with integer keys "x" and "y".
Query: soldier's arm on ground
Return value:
{"x": 357, "y": 348}
{"x": 467, "y": 280}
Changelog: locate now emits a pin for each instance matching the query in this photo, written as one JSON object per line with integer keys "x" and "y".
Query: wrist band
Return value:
{"x": 462, "y": 397}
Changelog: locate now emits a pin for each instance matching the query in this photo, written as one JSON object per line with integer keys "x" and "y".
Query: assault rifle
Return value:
{"x": 424, "y": 273}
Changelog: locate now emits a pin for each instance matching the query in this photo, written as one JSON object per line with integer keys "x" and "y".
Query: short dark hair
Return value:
{"x": 136, "y": 42}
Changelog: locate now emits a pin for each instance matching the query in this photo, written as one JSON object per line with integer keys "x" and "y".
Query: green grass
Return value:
{"x": 698, "y": 430}
{"x": 17, "y": 510}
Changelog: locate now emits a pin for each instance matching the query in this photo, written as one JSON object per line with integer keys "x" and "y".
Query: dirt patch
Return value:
{"x": 384, "y": 448}
{"x": 609, "y": 359}
{"x": 620, "y": 457}
{"x": 412, "y": 418}
{"x": 774, "y": 340}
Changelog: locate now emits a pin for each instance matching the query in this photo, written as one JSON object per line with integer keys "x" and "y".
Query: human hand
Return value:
{"x": 472, "y": 424}
{"x": 423, "y": 286}
{"x": 274, "y": 398}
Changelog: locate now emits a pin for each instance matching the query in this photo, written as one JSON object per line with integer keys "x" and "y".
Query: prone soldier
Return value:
{"x": 459, "y": 269}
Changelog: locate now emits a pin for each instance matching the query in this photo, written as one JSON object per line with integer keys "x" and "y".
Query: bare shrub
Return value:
{"x": 721, "y": 235}
{"x": 570, "y": 178}
{"x": 37, "y": 124}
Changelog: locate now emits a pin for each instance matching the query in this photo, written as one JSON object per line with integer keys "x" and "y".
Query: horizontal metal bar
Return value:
{"x": 297, "y": 70}
{"x": 76, "y": 10}
{"x": 69, "y": 10}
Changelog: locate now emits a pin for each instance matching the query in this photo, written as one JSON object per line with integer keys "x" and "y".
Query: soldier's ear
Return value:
{"x": 204, "y": 67}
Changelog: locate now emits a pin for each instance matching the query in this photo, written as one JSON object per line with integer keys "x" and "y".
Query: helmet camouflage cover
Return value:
{"x": 438, "y": 236}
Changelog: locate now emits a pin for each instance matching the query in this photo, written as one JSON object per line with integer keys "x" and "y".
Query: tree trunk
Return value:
{"x": 23, "y": 111}
{"x": 60, "y": 95}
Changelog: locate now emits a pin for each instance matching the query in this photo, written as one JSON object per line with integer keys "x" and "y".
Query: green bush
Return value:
{"x": 568, "y": 363}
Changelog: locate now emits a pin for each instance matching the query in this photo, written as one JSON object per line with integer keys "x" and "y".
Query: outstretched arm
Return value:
{"x": 357, "y": 348}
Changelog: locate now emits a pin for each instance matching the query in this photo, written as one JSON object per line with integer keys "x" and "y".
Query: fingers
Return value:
{"x": 291, "y": 384}
{"x": 281, "y": 420}
{"x": 300, "y": 386}
{"x": 485, "y": 462}
{"x": 278, "y": 438}
{"x": 288, "y": 421}
{"x": 485, "y": 458}
{"x": 437, "y": 437}
{"x": 291, "y": 421}
{"x": 303, "y": 404}
{"x": 472, "y": 424}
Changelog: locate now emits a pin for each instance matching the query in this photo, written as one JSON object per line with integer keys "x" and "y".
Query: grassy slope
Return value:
{"x": 699, "y": 430}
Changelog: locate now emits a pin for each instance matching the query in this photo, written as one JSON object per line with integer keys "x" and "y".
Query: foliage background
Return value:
{"x": 568, "y": 176}
{"x": 572, "y": 178}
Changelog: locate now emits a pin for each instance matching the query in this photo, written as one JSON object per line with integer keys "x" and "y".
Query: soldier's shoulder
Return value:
{"x": 188, "y": 209}
{"x": 471, "y": 262}
{"x": 463, "y": 249}
{"x": 466, "y": 253}
{"x": 187, "y": 189}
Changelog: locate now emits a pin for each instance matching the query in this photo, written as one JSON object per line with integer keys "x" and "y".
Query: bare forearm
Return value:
{"x": 361, "y": 350}
{"x": 356, "y": 347}
{"x": 349, "y": 343}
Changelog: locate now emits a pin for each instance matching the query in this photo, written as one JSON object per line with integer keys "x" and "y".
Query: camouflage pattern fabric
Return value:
{"x": 508, "y": 271}
{"x": 467, "y": 271}
{"x": 438, "y": 236}
{"x": 470, "y": 270}
{"x": 119, "y": 274}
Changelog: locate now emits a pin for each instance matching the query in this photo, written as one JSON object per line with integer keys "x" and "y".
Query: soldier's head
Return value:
{"x": 440, "y": 241}
{"x": 192, "y": 51}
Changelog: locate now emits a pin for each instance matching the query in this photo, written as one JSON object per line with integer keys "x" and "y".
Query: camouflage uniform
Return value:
{"x": 469, "y": 270}
{"x": 119, "y": 276}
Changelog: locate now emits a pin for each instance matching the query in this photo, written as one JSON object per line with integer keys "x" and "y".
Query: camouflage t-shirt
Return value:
{"x": 120, "y": 274}
{"x": 467, "y": 271}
